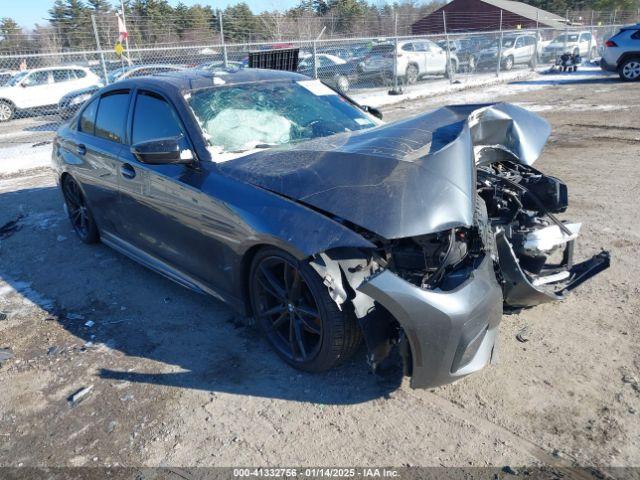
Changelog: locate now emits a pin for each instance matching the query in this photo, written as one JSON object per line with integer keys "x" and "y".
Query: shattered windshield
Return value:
{"x": 244, "y": 117}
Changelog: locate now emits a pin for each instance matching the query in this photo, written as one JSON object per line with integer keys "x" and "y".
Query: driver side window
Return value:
{"x": 154, "y": 118}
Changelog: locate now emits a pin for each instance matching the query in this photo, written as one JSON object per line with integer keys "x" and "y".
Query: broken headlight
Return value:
{"x": 441, "y": 260}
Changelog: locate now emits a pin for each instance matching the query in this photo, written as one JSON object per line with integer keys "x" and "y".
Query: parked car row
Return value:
{"x": 67, "y": 88}
{"x": 42, "y": 87}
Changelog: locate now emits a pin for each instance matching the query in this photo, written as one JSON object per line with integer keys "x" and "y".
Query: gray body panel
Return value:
{"x": 199, "y": 224}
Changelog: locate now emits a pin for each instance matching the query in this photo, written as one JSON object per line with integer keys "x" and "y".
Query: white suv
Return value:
{"x": 42, "y": 87}
{"x": 622, "y": 53}
{"x": 581, "y": 43}
{"x": 416, "y": 58}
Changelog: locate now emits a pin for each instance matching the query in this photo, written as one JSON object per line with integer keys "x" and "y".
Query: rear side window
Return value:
{"x": 88, "y": 118}
{"x": 153, "y": 118}
{"x": 112, "y": 116}
{"x": 382, "y": 49}
{"x": 62, "y": 76}
{"x": 636, "y": 35}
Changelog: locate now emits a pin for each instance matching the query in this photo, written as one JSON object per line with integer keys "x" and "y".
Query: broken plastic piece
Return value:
{"x": 546, "y": 239}
{"x": 79, "y": 395}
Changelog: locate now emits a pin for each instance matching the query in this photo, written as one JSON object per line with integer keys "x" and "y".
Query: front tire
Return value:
{"x": 7, "y": 111}
{"x": 79, "y": 213}
{"x": 294, "y": 310}
{"x": 629, "y": 70}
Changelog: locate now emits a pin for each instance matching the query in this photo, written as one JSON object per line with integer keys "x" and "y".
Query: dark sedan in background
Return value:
{"x": 331, "y": 69}
{"x": 276, "y": 194}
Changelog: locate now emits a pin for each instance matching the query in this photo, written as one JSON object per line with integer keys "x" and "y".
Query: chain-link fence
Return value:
{"x": 50, "y": 72}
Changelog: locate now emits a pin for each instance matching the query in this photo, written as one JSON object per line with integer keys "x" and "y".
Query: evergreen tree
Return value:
{"x": 11, "y": 35}
{"x": 240, "y": 23}
{"x": 99, "y": 6}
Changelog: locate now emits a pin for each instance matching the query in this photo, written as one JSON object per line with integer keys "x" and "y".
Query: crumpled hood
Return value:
{"x": 412, "y": 177}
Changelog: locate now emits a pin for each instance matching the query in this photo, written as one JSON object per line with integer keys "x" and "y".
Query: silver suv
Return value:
{"x": 622, "y": 53}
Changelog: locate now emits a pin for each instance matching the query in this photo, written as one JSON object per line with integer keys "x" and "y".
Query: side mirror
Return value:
{"x": 163, "y": 151}
{"x": 373, "y": 111}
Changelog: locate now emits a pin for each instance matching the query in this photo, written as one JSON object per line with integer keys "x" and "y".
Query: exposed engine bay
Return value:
{"x": 535, "y": 248}
{"x": 514, "y": 224}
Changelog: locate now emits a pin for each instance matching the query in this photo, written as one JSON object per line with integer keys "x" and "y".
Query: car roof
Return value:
{"x": 194, "y": 79}
{"x": 59, "y": 67}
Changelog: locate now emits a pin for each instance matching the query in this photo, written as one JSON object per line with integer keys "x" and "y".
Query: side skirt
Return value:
{"x": 164, "y": 269}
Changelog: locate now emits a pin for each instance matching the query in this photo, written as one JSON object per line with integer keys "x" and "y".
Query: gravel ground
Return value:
{"x": 177, "y": 379}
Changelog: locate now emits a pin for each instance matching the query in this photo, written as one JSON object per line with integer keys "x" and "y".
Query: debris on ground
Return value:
{"x": 3, "y": 316}
{"x": 74, "y": 316}
{"x": 5, "y": 354}
{"x": 89, "y": 323}
{"x": 79, "y": 395}
{"x": 523, "y": 335}
{"x": 61, "y": 238}
{"x": 53, "y": 350}
{"x": 11, "y": 227}
{"x": 509, "y": 470}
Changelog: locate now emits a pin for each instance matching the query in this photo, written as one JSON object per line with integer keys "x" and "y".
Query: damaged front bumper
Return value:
{"x": 450, "y": 334}
{"x": 521, "y": 292}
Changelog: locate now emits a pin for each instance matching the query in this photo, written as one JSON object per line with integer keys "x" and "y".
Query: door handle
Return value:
{"x": 127, "y": 171}
{"x": 81, "y": 149}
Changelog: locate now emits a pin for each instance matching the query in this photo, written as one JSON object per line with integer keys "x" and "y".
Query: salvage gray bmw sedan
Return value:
{"x": 301, "y": 208}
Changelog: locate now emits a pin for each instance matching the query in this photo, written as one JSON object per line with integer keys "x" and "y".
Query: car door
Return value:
{"x": 34, "y": 90}
{"x": 83, "y": 79}
{"x": 519, "y": 51}
{"x": 94, "y": 155}
{"x": 421, "y": 56}
{"x": 437, "y": 58}
{"x": 166, "y": 216}
{"x": 64, "y": 81}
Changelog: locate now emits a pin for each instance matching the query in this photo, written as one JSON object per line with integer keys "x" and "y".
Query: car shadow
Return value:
{"x": 168, "y": 335}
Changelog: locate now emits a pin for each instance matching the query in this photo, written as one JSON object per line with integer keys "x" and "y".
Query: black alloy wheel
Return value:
{"x": 78, "y": 210}
{"x": 299, "y": 318}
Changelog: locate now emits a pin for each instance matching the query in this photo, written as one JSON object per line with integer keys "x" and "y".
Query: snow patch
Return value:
{"x": 467, "y": 91}
{"x": 24, "y": 157}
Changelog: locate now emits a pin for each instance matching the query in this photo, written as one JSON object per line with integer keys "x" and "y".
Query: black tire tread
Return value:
{"x": 93, "y": 235}
{"x": 345, "y": 336}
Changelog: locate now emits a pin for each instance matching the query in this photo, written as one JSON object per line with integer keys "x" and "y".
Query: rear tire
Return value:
{"x": 507, "y": 64}
{"x": 295, "y": 312}
{"x": 451, "y": 71}
{"x": 7, "y": 111}
{"x": 411, "y": 74}
{"x": 79, "y": 213}
{"x": 629, "y": 70}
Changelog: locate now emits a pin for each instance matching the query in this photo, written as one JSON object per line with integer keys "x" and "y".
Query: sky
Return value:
{"x": 29, "y": 12}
